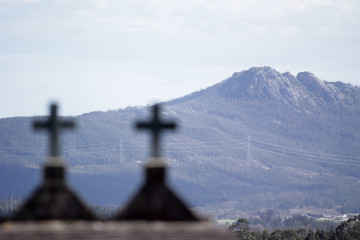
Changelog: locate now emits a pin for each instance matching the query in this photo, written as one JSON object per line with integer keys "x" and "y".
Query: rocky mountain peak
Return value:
{"x": 312, "y": 83}
{"x": 303, "y": 91}
{"x": 262, "y": 83}
{"x": 265, "y": 83}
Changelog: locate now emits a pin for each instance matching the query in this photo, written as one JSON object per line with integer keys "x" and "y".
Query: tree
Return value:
{"x": 331, "y": 234}
{"x": 241, "y": 229}
{"x": 289, "y": 234}
{"x": 349, "y": 230}
{"x": 311, "y": 235}
{"x": 302, "y": 233}
{"x": 276, "y": 235}
{"x": 265, "y": 235}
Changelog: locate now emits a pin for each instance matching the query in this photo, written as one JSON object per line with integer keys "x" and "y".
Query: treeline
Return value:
{"x": 104, "y": 212}
{"x": 271, "y": 220}
{"x": 348, "y": 230}
{"x": 8, "y": 206}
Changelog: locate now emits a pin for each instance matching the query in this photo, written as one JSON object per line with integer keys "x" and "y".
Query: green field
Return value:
{"x": 225, "y": 221}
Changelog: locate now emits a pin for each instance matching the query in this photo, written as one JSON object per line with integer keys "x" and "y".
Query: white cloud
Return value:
{"x": 102, "y": 4}
{"x": 21, "y": 1}
{"x": 32, "y": 1}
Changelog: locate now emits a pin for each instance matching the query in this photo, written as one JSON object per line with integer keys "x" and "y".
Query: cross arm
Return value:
{"x": 68, "y": 124}
{"x": 40, "y": 125}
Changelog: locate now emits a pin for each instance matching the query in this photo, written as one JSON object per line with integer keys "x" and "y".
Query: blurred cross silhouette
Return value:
{"x": 53, "y": 125}
{"x": 156, "y": 126}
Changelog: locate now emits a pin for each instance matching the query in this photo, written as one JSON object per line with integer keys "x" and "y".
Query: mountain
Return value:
{"x": 259, "y": 139}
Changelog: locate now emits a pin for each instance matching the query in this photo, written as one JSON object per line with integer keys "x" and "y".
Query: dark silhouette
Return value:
{"x": 54, "y": 125}
{"x": 156, "y": 126}
{"x": 156, "y": 201}
{"x": 54, "y": 199}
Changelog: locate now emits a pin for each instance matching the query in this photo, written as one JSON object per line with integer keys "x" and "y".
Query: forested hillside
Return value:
{"x": 258, "y": 140}
{"x": 348, "y": 230}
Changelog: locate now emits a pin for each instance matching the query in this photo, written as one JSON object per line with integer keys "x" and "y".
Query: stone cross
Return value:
{"x": 156, "y": 126}
{"x": 53, "y": 125}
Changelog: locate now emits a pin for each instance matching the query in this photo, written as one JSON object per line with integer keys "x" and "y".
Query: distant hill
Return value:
{"x": 259, "y": 139}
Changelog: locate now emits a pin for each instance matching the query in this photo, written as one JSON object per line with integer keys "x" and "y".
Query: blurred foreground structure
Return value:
{"x": 54, "y": 211}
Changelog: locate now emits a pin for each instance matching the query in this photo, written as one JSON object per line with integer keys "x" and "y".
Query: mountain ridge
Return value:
{"x": 279, "y": 85}
{"x": 260, "y": 138}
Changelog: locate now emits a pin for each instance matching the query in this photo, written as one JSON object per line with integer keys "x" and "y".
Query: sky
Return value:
{"x": 100, "y": 55}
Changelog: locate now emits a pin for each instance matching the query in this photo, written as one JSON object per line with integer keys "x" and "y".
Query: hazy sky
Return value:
{"x": 101, "y": 54}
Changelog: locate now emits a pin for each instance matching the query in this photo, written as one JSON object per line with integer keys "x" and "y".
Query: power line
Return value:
{"x": 203, "y": 147}
{"x": 306, "y": 159}
{"x": 303, "y": 151}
